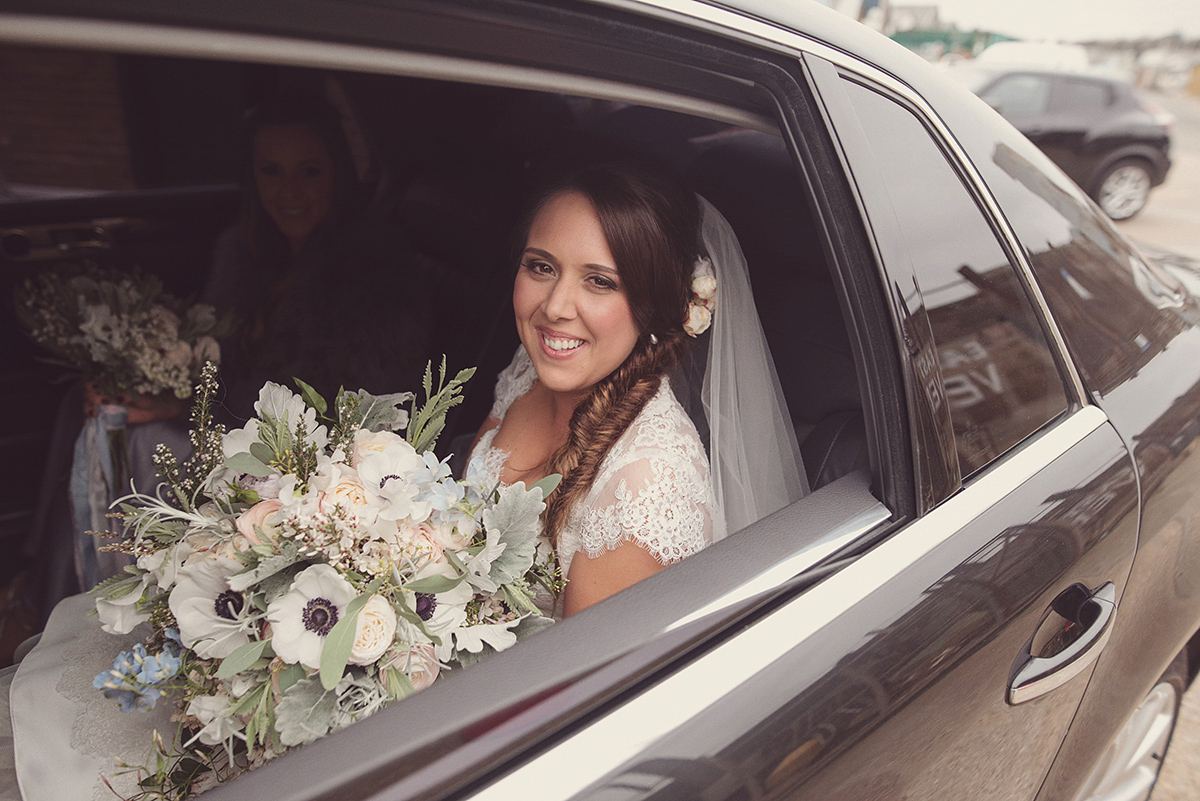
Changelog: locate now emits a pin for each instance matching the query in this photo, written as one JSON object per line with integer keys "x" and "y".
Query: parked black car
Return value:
{"x": 997, "y": 575}
{"x": 1099, "y": 130}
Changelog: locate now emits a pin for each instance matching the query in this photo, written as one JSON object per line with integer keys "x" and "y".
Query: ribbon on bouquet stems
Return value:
{"x": 98, "y": 472}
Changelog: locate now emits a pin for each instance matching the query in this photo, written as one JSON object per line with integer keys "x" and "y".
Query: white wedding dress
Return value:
{"x": 652, "y": 488}
{"x": 66, "y": 735}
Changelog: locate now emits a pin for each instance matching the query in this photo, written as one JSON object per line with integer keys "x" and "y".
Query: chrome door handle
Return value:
{"x": 1079, "y": 622}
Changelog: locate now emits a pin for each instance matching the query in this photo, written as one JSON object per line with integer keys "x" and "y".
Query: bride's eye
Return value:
{"x": 537, "y": 267}
{"x": 601, "y": 282}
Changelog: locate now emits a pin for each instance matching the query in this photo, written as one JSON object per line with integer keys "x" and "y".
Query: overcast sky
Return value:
{"x": 1074, "y": 20}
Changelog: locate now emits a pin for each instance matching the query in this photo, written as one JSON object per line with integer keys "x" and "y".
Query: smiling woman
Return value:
{"x": 600, "y": 299}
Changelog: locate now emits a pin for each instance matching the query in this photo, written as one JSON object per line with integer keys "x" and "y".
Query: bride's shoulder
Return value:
{"x": 663, "y": 424}
{"x": 513, "y": 382}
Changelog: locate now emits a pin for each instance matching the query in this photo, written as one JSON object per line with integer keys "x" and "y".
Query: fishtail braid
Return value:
{"x": 602, "y": 417}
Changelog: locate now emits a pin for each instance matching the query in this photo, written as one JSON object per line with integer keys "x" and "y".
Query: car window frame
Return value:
{"x": 931, "y": 393}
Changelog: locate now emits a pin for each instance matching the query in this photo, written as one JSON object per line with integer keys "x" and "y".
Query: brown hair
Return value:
{"x": 651, "y": 223}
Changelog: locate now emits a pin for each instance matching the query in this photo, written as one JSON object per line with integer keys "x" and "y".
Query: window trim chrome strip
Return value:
{"x": 150, "y": 39}
{"x": 584, "y": 759}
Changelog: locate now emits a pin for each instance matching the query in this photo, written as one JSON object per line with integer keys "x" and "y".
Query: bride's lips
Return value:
{"x": 557, "y": 345}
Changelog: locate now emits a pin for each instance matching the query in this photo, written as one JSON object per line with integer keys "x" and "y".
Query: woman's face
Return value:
{"x": 293, "y": 173}
{"x": 572, "y": 310}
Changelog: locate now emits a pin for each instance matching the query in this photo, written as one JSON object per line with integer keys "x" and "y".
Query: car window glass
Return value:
{"x": 1075, "y": 95}
{"x": 71, "y": 129}
{"x": 1016, "y": 95}
{"x": 1000, "y": 378}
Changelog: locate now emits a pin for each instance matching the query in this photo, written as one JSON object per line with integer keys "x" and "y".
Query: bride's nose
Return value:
{"x": 560, "y": 303}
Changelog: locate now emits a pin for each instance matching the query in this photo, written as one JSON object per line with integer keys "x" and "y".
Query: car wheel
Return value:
{"x": 1123, "y": 189}
{"x": 1130, "y": 765}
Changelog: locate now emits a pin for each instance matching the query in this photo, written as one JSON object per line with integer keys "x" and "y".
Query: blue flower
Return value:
{"x": 134, "y": 679}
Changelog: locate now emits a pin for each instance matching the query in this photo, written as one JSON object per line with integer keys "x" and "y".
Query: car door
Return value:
{"x": 948, "y": 660}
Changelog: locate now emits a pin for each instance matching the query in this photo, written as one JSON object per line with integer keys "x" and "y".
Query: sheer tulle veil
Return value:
{"x": 753, "y": 453}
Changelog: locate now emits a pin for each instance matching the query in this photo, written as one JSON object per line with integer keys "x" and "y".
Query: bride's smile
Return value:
{"x": 572, "y": 311}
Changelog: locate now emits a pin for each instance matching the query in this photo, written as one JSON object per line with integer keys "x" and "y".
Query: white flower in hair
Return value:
{"x": 703, "y": 303}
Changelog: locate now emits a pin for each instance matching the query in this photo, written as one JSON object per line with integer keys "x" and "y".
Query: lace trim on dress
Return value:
{"x": 653, "y": 489}
{"x": 513, "y": 382}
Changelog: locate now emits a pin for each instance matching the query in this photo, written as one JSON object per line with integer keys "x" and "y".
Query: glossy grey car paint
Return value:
{"x": 883, "y": 673}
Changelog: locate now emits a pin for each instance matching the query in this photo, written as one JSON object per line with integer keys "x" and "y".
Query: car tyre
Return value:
{"x": 1123, "y": 188}
{"x": 1129, "y": 767}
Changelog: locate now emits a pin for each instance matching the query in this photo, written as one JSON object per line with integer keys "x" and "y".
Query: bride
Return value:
{"x": 614, "y": 283}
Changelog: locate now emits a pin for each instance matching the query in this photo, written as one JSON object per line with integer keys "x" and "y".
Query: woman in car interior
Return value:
{"x": 613, "y": 284}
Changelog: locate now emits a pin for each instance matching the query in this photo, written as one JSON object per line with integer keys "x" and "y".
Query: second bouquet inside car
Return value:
{"x": 299, "y": 573}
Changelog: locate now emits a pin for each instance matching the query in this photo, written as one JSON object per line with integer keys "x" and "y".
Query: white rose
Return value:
{"x": 206, "y": 349}
{"x": 179, "y": 355}
{"x": 202, "y": 316}
{"x": 348, "y": 493}
{"x": 259, "y": 515}
{"x": 698, "y": 320}
{"x": 367, "y": 442}
{"x": 374, "y": 631}
{"x": 704, "y": 286}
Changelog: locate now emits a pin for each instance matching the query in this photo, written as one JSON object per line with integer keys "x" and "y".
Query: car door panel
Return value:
{"x": 908, "y": 650}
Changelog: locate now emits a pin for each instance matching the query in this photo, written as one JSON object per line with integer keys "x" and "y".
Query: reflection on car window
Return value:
{"x": 1000, "y": 378}
{"x": 1019, "y": 95}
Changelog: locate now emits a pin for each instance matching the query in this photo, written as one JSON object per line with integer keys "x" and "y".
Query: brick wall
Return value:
{"x": 61, "y": 121}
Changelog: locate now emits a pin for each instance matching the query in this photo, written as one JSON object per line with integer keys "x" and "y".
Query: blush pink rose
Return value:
{"x": 260, "y": 515}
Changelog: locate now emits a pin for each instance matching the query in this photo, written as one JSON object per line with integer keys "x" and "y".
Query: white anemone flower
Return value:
{"x": 302, "y": 617}
{"x": 212, "y": 617}
{"x": 390, "y": 475}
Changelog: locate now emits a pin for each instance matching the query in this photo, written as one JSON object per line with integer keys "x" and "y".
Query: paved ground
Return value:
{"x": 1172, "y": 220}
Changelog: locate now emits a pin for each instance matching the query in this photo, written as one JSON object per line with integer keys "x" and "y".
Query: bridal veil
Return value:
{"x": 753, "y": 453}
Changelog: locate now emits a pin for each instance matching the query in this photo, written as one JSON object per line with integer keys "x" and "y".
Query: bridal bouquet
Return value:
{"x": 119, "y": 329}
{"x": 301, "y": 572}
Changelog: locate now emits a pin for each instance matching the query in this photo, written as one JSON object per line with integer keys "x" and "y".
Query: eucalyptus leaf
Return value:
{"x": 397, "y": 684}
{"x": 261, "y": 452}
{"x": 434, "y": 584}
{"x": 548, "y": 484}
{"x": 306, "y": 712}
{"x": 311, "y": 396}
{"x": 289, "y": 676}
{"x": 245, "y": 463}
{"x": 335, "y": 652}
{"x": 243, "y": 657}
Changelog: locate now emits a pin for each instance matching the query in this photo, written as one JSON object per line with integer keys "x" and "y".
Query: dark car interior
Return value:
{"x": 447, "y": 166}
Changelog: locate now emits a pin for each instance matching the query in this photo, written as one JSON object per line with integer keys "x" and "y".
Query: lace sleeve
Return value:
{"x": 653, "y": 489}
{"x": 513, "y": 382}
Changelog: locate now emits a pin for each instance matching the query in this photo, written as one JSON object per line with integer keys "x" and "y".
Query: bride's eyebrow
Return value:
{"x": 545, "y": 254}
{"x": 548, "y": 256}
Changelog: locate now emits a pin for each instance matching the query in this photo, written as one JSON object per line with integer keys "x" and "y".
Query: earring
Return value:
{"x": 653, "y": 339}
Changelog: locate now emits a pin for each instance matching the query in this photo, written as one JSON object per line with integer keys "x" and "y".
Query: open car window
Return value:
{"x": 447, "y": 163}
